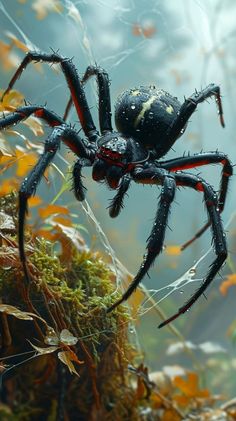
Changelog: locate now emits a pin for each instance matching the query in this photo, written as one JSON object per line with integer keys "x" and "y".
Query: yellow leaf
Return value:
{"x": 229, "y": 281}
{"x": 11, "y": 100}
{"x": 51, "y": 210}
{"x": 25, "y": 162}
{"x": 173, "y": 250}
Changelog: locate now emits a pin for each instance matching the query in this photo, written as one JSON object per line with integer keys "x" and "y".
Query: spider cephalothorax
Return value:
{"x": 149, "y": 121}
{"x": 116, "y": 156}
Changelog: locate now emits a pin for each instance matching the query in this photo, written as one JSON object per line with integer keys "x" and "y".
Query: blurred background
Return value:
{"x": 178, "y": 46}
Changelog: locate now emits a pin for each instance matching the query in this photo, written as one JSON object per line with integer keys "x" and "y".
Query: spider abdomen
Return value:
{"x": 145, "y": 114}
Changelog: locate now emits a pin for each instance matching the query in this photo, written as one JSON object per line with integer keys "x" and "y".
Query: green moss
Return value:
{"x": 70, "y": 295}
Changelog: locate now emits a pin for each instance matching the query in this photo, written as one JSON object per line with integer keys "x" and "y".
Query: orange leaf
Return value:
{"x": 63, "y": 221}
{"x": 51, "y": 210}
{"x": 34, "y": 201}
{"x": 173, "y": 250}
{"x": 189, "y": 387}
{"x": 7, "y": 186}
{"x": 170, "y": 415}
{"x": 229, "y": 282}
{"x": 48, "y": 235}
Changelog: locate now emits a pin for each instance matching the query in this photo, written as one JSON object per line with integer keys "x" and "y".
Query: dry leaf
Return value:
{"x": 44, "y": 351}
{"x": 189, "y": 388}
{"x": 67, "y": 357}
{"x": 6, "y": 222}
{"x": 67, "y": 338}
{"x": 13, "y": 311}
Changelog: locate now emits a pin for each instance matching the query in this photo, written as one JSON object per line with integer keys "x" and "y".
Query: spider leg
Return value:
{"x": 198, "y": 160}
{"x": 30, "y": 183}
{"x": 22, "y": 113}
{"x": 74, "y": 84}
{"x": 103, "y": 97}
{"x": 78, "y": 187}
{"x": 219, "y": 241}
{"x": 79, "y": 146}
{"x": 117, "y": 201}
{"x": 156, "y": 238}
{"x": 190, "y": 105}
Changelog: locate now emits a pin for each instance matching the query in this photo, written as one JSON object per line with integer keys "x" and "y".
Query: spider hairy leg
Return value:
{"x": 156, "y": 238}
{"x": 22, "y": 113}
{"x": 198, "y": 160}
{"x": 190, "y": 105}
{"x": 29, "y": 186}
{"x": 117, "y": 201}
{"x": 219, "y": 241}
{"x": 74, "y": 84}
{"x": 78, "y": 188}
{"x": 104, "y": 100}
{"x": 60, "y": 133}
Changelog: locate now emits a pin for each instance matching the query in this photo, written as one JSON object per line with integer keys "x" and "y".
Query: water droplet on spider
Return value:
{"x": 132, "y": 107}
{"x": 182, "y": 131}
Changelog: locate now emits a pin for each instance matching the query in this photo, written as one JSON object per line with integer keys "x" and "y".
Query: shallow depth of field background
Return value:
{"x": 178, "y": 46}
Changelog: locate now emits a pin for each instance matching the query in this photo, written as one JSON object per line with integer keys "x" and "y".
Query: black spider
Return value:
{"x": 149, "y": 121}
